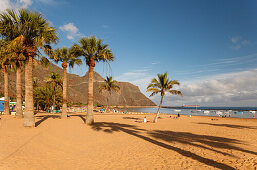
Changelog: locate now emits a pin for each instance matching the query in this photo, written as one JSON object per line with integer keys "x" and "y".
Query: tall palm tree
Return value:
{"x": 36, "y": 35}
{"x": 65, "y": 56}
{"x": 162, "y": 85}
{"x": 93, "y": 50}
{"x": 17, "y": 51}
{"x": 5, "y": 61}
{"x": 109, "y": 85}
{"x": 13, "y": 50}
{"x": 19, "y": 112}
{"x": 54, "y": 80}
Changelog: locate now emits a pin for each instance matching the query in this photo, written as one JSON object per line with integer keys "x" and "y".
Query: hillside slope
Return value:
{"x": 130, "y": 94}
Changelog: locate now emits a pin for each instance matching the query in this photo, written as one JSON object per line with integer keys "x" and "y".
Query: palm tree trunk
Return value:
{"x": 64, "y": 104}
{"x": 19, "y": 112}
{"x": 107, "y": 103}
{"x": 90, "y": 99}
{"x": 158, "y": 111}
{"x": 54, "y": 101}
{"x": 29, "y": 119}
{"x": 6, "y": 91}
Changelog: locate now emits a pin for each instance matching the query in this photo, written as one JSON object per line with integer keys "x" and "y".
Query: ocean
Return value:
{"x": 236, "y": 112}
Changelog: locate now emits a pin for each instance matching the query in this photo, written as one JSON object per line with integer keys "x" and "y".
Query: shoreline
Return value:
{"x": 148, "y": 113}
{"x": 133, "y": 107}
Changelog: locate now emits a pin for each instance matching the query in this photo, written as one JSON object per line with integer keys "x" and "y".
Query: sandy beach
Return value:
{"x": 124, "y": 142}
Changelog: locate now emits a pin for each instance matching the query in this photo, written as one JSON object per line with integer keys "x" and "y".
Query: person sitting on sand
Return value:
{"x": 178, "y": 115}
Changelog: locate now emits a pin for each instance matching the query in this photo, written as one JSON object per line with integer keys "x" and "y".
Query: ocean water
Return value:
{"x": 236, "y": 112}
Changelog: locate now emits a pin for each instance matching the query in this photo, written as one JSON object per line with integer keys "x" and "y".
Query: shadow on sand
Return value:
{"x": 133, "y": 118}
{"x": 43, "y": 118}
{"x": 229, "y": 125}
{"x": 81, "y": 116}
{"x": 161, "y": 138}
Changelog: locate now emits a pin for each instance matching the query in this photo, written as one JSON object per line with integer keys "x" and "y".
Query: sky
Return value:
{"x": 210, "y": 47}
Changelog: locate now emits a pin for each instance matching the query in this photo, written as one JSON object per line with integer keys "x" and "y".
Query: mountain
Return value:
{"x": 130, "y": 94}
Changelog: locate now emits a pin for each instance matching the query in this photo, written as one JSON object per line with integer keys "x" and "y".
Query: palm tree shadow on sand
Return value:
{"x": 158, "y": 137}
{"x": 228, "y": 125}
{"x": 43, "y": 118}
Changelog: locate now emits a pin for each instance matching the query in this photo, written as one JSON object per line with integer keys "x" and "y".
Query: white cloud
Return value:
{"x": 5, "y": 4}
{"x": 154, "y": 63}
{"x": 140, "y": 78}
{"x": 71, "y": 30}
{"x": 245, "y": 42}
{"x": 232, "y": 89}
{"x": 17, "y": 4}
{"x": 105, "y": 26}
{"x": 238, "y": 42}
{"x": 49, "y": 2}
{"x": 213, "y": 67}
{"x": 236, "y": 47}
{"x": 24, "y": 3}
{"x": 235, "y": 39}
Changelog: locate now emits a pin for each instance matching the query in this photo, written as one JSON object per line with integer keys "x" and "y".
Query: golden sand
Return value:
{"x": 124, "y": 142}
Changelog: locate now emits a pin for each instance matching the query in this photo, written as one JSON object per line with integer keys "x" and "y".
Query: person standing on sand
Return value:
{"x": 178, "y": 115}
{"x": 145, "y": 120}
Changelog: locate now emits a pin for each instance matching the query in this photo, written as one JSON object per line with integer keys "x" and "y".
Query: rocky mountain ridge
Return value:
{"x": 130, "y": 94}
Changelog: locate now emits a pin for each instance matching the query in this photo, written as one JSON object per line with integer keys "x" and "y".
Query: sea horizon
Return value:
{"x": 234, "y": 112}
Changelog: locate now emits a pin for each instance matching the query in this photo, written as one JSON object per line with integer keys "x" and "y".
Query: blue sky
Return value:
{"x": 196, "y": 42}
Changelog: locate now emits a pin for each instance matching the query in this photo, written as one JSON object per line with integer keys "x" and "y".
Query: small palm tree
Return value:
{"x": 93, "y": 50}
{"x": 109, "y": 85}
{"x": 36, "y": 35}
{"x": 65, "y": 56}
{"x": 35, "y": 82}
{"x": 38, "y": 97}
{"x": 43, "y": 97}
{"x": 54, "y": 80}
{"x": 162, "y": 85}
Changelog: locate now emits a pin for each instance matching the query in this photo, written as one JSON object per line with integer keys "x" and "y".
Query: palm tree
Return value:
{"x": 43, "y": 97}
{"x": 18, "y": 62}
{"x": 35, "y": 82}
{"x": 54, "y": 80}
{"x": 162, "y": 85}
{"x": 65, "y": 56}
{"x": 109, "y": 85}
{"x": 5, "y": 60}
{"x": 35, "y": 35}
{"x": 16, "y": 59}
{"x": 93, "y": 50}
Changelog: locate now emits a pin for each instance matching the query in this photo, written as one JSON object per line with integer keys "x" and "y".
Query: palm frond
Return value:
{"x": 176, "y": 92}
{"x": 162, "y": 84}
{"x": 154, "y": 93}
{"x": 92, "y": 48}
{"x": 109, "y": 85}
